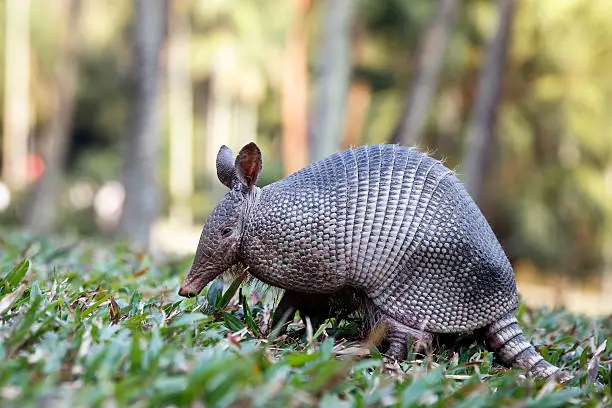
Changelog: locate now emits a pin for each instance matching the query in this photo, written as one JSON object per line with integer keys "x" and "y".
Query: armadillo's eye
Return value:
{"x": 226, "y": 232}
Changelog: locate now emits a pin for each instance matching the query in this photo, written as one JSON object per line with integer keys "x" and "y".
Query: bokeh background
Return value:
{"x": 113, "y": 112}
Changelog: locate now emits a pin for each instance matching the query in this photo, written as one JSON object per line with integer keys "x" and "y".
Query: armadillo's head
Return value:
{"x": 220, "y": 240}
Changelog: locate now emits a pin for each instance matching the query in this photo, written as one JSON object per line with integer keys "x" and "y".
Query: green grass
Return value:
{"x": 85, "y": 325}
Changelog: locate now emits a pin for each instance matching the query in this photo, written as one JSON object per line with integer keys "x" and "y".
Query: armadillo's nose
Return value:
{"x": 186, "y": 293}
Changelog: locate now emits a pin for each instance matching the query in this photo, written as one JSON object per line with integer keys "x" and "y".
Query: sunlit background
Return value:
{"x": 113, "y": 112}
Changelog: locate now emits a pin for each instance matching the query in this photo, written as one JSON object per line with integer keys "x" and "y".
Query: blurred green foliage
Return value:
{"x": 549, "y": 189}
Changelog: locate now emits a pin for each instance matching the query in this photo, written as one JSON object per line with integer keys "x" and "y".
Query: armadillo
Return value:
{"x": 385, "y": 221}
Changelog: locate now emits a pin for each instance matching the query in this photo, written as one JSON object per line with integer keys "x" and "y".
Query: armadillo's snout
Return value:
{"x": 191, "y": 287}
{"x": 195, "y": 281}
{"x": 186, "y": 292}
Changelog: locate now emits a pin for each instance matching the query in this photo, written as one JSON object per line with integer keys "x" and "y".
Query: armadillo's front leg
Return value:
{"x": 398, "y": 336}
{"x": 313, "y": 306}
{"x": 284, "y": 310}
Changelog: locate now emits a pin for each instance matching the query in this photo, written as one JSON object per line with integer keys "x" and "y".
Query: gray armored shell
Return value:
{"x": 391, "y": 222}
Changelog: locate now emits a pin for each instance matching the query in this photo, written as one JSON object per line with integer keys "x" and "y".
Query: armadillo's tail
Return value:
{"x": 511, "y": 347}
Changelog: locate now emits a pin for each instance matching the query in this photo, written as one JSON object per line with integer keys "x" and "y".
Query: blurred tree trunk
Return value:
{"x": 244, "y": 126}
{"x": 425, "y": 78}
{"x": 141, "y": 156}
{"x": 55, "y": 143}
{"x": 448, "y": 122}
{"x": 294, "y": 142}
{"x": 231, "y": 116}
{"x": 481, "y": 127}
{"x": 16, "y": 92}
{"x": 359, "y": 95}
{"x": 333, "y": 78}
{"x": 180, "y": 104}
{"x": 219, "y": 114}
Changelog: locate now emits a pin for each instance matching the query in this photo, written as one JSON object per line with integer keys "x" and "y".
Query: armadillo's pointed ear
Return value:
{"x": 248, "y": 165}
{"x": 225, "y": 166}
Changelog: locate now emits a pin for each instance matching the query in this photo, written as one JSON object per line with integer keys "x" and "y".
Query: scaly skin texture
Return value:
{"x": 385, "y": 221}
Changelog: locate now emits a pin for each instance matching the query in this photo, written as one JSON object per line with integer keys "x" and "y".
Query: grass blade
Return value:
{"x": 12, "y": 279}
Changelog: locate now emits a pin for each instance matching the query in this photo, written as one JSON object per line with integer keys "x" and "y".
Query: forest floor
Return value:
{"x": 87, "y": 324}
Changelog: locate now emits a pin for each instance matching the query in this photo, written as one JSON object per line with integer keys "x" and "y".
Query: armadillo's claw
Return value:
{"x": 399, "y": 335}
{"x": 562, "y": 377}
